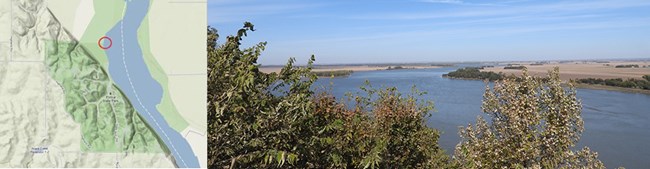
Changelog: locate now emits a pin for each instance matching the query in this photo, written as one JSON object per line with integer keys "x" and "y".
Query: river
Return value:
{"x": 617, "y": 124}
{"x": 129, "y": 71}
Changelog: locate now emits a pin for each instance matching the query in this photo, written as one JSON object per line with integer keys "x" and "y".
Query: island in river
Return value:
{"x": 626, "y": 76}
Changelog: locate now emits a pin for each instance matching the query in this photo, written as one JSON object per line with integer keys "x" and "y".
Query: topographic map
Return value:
{"x": 103, "y": 83}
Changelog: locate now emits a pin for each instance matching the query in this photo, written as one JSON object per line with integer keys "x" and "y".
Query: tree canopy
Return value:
{"x": 474, "y": 73}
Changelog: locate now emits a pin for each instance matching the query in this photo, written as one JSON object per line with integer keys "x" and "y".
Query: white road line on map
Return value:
{"x": 25, "y": 61}
{"x": 11, "y": 32}
{"x": 46, "y": 91}
{"x": 136, "y": 93}
{"x": 192, "y": 131}
{"x": 116, "y": 132}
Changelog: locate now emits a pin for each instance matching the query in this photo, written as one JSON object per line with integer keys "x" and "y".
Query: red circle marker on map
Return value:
{"x": 110, "y": 42}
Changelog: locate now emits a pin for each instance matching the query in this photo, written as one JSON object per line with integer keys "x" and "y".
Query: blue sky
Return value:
{"x": 390, "y": 31}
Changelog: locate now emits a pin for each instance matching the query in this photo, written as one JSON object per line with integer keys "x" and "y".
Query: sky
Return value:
{"x": 410, "y": 31}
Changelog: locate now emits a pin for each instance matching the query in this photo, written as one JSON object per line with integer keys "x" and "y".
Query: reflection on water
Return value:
{"x": 617, "y": 124}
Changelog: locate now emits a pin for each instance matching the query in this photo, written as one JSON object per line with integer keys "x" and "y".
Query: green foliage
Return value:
{"x": 618, "y": 82}
{"x": 333, "y": 73}
{"x": 515, "y": 67}
{"x": 212, "y": 38}
{"x": 535, "y": 124}
{"x": 235, "y": 88}
{"x": 474, "y": 73}
{"x": 396, "y": 134}
{"x": 259, "y": 120}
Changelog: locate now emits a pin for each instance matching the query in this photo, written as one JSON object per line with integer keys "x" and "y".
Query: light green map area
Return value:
{"x": 166, "y": 106}
{"x": 109, "y": 13}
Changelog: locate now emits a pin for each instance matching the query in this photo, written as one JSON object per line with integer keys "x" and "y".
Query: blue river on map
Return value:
{"x": 142, "y": 90}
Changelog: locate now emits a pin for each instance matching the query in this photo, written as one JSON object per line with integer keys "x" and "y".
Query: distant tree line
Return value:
{"x": 627, "y": 66}
{"x": 480, "y": 67}
{"x": 442, "y": 65}
{"x": 275, "y": 120}
{"x": 333, "y": 73}
{"x": 618, "y": 82}
{"x": 514, "y": 67}
{"x": 474, "y": 73}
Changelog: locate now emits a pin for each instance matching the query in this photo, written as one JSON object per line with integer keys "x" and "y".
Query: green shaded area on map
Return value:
{"x": 109, "y": 123}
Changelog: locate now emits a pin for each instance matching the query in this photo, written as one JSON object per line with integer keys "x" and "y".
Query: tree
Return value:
{"x": 474, "y": 73}
{"x": 248, "y": 125}
{"x": 534, "y": 123}
{"x": 213, "y": 35}
{"x": 259, "y": 120}
{"x": 396, "y": 135}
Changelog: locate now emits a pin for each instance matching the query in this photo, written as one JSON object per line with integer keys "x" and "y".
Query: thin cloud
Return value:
{"x": 460, "y": 2}
{"x": 443, "y": 1}
{"x": 480, "y": 32}
{"x": 491, "y": 21}
{"x": 571, "y": 6}
{"x": 238, "y": 12}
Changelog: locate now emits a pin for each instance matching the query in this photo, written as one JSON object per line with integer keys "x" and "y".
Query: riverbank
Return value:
{"x": 475, "y": 74}
{"x": 583, "y": 70}
{"x": 611, "y": 88}
{"x": 353, "y": 68}
{"x": 335, "y": 73}
{"x": 580, "y": 69}
{"x": 579, "y": 85}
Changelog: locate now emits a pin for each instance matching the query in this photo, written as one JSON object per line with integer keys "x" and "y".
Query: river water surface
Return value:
{"x": 617, "y": 124}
